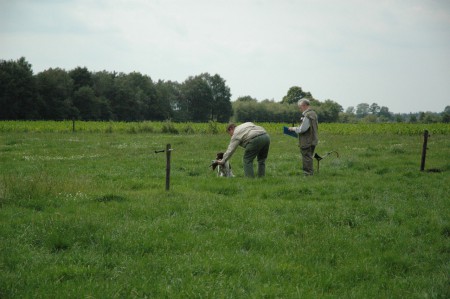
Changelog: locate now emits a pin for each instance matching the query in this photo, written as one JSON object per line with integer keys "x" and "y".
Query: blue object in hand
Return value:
{"x": 290, "y": 133}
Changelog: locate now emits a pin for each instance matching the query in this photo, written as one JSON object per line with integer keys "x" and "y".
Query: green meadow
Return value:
{"x": 85, "y": 214}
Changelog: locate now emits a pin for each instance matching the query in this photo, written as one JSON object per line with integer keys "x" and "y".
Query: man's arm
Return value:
{"x": 234, "y": 143}
{"x": 302, "y": 128}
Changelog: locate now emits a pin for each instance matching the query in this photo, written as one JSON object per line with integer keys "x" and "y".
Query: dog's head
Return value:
{"x": 219, "y": 156}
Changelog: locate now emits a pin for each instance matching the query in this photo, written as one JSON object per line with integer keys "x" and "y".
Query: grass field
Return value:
{"x": 86, "y": 215}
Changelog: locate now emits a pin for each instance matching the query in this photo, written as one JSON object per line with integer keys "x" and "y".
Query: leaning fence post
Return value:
{"x": 73, "y": 124}
{"x": 424, "y": 150}
{"x": 168, "y": 150}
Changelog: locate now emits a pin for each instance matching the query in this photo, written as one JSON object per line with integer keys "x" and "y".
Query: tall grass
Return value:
{"x": 87, "y": 215}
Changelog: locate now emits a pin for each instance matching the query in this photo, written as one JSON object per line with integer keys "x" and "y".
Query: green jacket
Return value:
{"x": 310, "y": 137}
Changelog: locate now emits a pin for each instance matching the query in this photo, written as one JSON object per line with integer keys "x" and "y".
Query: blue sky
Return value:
{"x": 395, "y": 53}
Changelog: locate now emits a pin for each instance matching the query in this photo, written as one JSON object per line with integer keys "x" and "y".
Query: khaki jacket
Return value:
{"x": 241, "y": 136}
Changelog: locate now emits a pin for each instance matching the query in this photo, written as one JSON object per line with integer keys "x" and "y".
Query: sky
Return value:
{"x": 395, "y": 53}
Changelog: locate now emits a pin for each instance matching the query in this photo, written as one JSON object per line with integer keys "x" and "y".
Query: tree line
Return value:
{"x": 57, "y": 94}
{"x": 248, "y": 108}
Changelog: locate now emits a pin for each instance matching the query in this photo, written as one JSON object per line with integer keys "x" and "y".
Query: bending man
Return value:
{"x": 256, "y": 142}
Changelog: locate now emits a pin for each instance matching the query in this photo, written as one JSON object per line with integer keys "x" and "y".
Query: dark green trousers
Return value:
{"x": 258, "y": 148}
{"x": 307, "y": 159}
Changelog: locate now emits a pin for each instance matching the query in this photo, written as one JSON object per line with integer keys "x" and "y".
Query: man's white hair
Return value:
{"x": 303, "y": 101}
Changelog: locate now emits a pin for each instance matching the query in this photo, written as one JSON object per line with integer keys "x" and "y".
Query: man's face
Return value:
{"x": 303, "y": 107}
{"x": 231, "y": 131}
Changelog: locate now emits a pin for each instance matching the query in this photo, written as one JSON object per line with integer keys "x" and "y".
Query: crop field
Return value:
{"x": 84, "y": 213}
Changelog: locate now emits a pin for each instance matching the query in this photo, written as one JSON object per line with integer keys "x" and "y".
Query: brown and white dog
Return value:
{"x": 222, "y": 170}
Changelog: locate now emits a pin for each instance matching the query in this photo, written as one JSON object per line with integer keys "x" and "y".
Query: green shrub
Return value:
{"x": 168, "y": 127}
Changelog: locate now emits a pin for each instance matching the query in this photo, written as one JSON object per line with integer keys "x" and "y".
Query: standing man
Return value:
{"x": 256, "y": 142}
{"x": 308, "y": 135}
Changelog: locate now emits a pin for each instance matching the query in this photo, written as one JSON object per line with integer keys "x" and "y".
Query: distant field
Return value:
{"x": 85, "y": 214}
{"x": 212, "y": 127}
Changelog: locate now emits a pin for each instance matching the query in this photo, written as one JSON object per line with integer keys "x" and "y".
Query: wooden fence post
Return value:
{"x": 168, "y": 150}
{"x": 424, "y": 150}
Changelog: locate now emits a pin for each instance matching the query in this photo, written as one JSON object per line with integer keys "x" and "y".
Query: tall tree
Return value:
{"x": 294, "y": 94}
{"x": 350, "y": 110}
{"x": 384, "y": 113}
{"x": 362, "y": 110}
{"x": 17, "y": 90}
{"x": 124, "y": 104}
{"x": 145, "y": 97}
{"x": 81, "y": 76}
{"x": 169, "y": 93}
{"x": 103, "y": 87}
{"x": 198, "y": 97}
{"x": 447, "y": 109}
{"x": 54, "y": 88}
{"x": 374, "y": 109}
{"x": 89, "y": 106}
{"x": 221, "y": 109}
{"x": 446, "y": 115}
{"x": 103, "y": 84}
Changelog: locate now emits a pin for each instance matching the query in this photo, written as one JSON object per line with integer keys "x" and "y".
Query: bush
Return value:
{"x": 212, "y": 127}
{"x": 168, "y": 127}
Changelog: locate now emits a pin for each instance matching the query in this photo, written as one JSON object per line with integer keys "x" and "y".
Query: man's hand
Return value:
{"x": 214, "y": 164}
